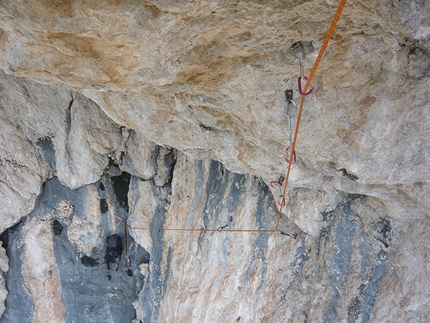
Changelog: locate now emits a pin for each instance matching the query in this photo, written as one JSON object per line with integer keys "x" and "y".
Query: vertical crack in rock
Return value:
{"x": 155, "y": 286}
{"x": 234, "y": 197}
{"x": 68, "y": 129}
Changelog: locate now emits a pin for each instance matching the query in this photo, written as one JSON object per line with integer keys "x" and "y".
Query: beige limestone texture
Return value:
{"x": 208, "y": 78}
{"x": 53, "y": 115}
{"x": 142, "y": 207}
{"x": 138, "y": 157}
{"x": 209, "y": 281}
{"x": 96, "y": 138}
{"x": 24, "y": 121}
{"x": 40, "y": 272}
{"x": 84, "y": 229}
{"x": 110, "y": 80}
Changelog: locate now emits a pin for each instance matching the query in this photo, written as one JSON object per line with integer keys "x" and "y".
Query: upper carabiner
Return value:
{"x": 300, "y": 53}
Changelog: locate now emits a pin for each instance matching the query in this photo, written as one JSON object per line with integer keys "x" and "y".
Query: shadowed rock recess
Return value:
{"x": 141, "y": 117}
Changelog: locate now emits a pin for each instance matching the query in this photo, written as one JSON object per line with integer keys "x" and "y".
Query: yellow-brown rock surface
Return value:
{"x": 164, "y": 90}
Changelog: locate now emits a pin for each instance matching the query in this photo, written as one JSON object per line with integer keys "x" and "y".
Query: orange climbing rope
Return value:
{"x": 302, "y": 101}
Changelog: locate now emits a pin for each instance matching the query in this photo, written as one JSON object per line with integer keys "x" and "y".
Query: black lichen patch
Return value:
{"x": 68, "y": 129}
{"x": 102, "y": 187}
{"x": 120, "y": 186}
{"x": 103, "y": 206}
{"x": 48, "y": 150}
{"x": 325, "y": 233}
{"x": 205, "y": 127}
{"x": 57, "y": 227}
{"x": 89, "y": 262}
{"x": 348, "y": 175}
{"x": 306, "y": 316}
{"x": 383, "y": 228}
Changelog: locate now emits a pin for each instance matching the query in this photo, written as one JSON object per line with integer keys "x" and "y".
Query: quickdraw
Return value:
{"x": 279, "y": 183}
{"x": 305, "y": 91}
{"x": 289, "y": 96}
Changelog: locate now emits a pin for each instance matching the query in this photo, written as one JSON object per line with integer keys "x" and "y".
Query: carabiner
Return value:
{"x": 289, "y": 96}
{"x": 300, "y": 87}
{"x": 294, "y": 156}
{"x": 279, "y": 182}
{"x": 301, "y": 57}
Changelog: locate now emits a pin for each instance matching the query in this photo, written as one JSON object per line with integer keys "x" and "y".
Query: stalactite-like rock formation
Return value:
{"x": 171, "y": 114}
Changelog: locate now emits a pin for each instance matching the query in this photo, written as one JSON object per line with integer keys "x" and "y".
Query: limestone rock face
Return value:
{"x": 38, "y": 122}
{"x": 208, "y": 78}
{"x": 132, "y": 117}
